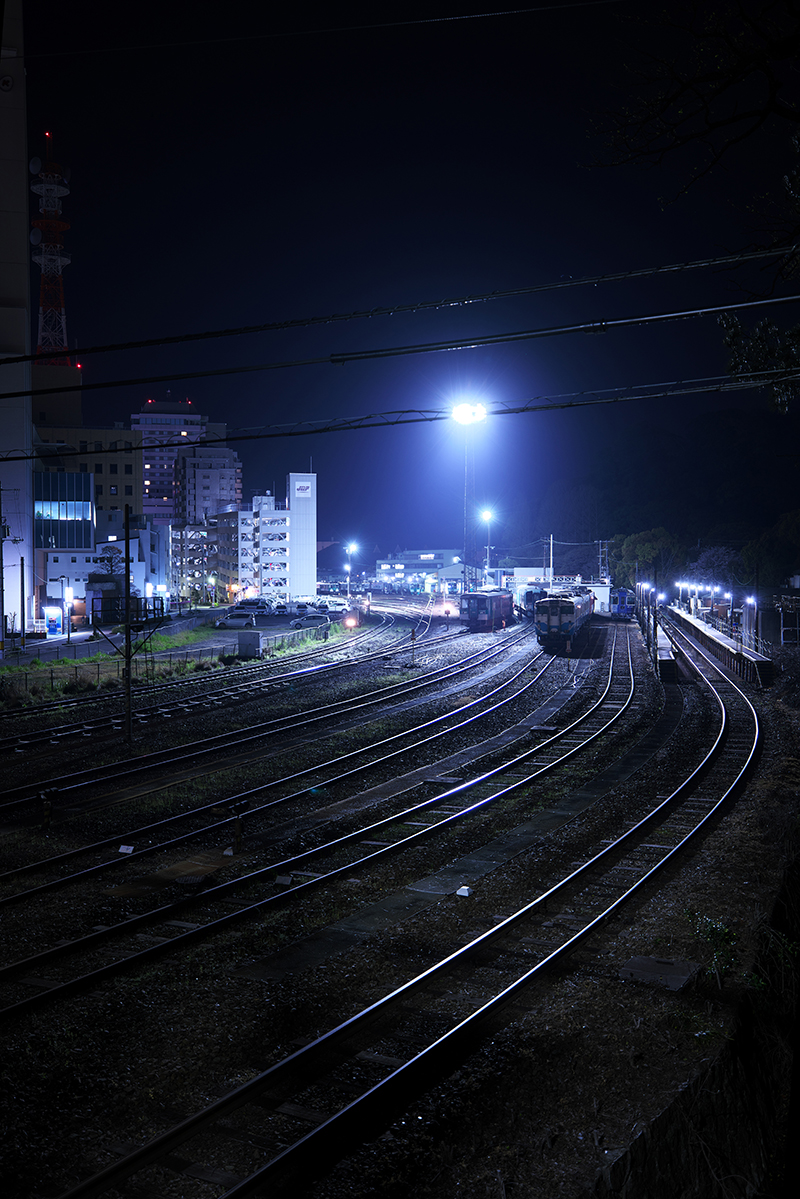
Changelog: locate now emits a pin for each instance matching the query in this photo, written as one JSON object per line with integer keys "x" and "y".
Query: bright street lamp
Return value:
{"x": 351, "y": 548}
{"x": 487, "y": 516}
{"x": 69, "y": 597}
{"x": 467, "y": 414}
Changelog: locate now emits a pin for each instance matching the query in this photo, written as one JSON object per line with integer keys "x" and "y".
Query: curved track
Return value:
{"x": 450, "y": 1007}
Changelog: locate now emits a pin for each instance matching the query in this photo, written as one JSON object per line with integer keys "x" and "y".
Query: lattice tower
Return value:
{"x": 48, "y": 238}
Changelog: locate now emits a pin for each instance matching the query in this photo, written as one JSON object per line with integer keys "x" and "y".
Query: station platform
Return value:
{"x": 665, "y": 656}
{"x": 746, "y": 663}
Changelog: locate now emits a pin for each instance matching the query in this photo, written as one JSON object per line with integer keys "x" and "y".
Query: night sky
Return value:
{"x": 272, "y": 172}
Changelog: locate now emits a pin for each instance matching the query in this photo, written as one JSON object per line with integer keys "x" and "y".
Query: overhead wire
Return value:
{"x": 462, "y": 343}
{"x": 290, "y": 33}
{"x": 714, "y": 384}
{"x": 421, "y": 305}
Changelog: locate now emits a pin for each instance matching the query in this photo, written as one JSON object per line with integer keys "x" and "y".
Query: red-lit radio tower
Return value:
{"x": 47, "y": 236}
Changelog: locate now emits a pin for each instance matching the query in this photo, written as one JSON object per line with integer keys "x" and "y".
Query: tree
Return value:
{"x": 112, "y": 564}
{"x": 718, "y": 565}
{"x": 631, "y": 558}
{"x": 722, "y": 74}
{"x": 727, "y": 76}
{"x": 775, "y": 555}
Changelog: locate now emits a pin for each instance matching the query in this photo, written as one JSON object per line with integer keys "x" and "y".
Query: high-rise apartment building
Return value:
{"x": 208, "y": 479}
{"x": 165, "y": 426}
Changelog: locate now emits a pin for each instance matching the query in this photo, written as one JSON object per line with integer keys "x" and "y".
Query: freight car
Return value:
{"x": 623, "y": 603}
{"x": 560, "y": 618}
{"x": 485, "y": 611}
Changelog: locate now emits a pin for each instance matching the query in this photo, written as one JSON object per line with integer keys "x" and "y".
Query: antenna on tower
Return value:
{"x": 47, "y": 237}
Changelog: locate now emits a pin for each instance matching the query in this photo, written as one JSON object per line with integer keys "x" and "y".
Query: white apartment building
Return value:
{"x": 270, "y": 548}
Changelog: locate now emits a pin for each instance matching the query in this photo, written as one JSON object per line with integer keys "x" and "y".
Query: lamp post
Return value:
{"x": 69, "y": 596}
{"x": 62, "y": 580}
{"x": 352, "y": 547}
{"x": 467, "y": 414}
{"x": 487, "y": 516}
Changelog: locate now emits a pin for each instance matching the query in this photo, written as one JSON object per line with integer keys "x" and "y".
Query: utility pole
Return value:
{"x": 21, "y": 603}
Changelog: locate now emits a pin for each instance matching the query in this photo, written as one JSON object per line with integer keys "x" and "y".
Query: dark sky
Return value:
{"x": 271, "y": 173}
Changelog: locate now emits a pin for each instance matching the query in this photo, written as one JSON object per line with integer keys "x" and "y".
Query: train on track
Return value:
{"x": 623, "y": 603}
{"x": 525, "y": 597}
{"x": 561, "y": 617}
{"x": 485, "y": 611}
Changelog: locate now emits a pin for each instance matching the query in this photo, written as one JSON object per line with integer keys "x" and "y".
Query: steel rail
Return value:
{"x": 249, "y": 684}
{"x": 289, "y": 895}
{"x": 240, "y": 797}
{"x": 363, "y": 1118}
{"x": 209, "y": 745}
{"x": 167, "y": 685}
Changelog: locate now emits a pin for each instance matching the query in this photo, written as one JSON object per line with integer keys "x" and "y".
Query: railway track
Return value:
{"x": 294, "y": 1120}
{"x": 342, "y": 769}
{"x": 240, "y": 742}
{"x": 183, "y": 697}
{"x": 438, "y": 814}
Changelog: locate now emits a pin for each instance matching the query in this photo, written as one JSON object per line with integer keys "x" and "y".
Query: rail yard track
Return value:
{"x": 183, "y": 696}
{"x": 255, "y": 1139}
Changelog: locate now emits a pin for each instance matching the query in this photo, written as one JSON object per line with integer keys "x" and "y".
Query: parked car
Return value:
{"x": 280, "y": 608}
{"x": 237, "y": 622}
{"x": 310, "y": 621}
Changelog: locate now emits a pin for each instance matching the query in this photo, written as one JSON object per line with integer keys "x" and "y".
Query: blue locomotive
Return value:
{"x": 560, "y": 618}
{"x": 623, "y": 603}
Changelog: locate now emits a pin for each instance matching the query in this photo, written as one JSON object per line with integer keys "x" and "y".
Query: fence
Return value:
{"x": 57, "y": 679}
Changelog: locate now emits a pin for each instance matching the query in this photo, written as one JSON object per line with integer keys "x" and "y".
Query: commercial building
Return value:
{"x": 423, "y": 570}
{"x": 89, "y": 575}
{"x": 270, "y": 548}
{"x": 111, "y": 456}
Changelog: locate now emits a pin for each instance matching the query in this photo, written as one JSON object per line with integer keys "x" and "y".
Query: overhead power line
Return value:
{"x": 294, "y": 33}
{"x": 430, "y": 347}
{"x": 714, "y": 384}
{"x": 421, "y": 305}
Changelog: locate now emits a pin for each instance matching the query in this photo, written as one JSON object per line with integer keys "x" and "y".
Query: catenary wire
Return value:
{"x": 290, "y": 33}
{"x": 429, "y": 347}
{"x": 717, "y": 384}
{"x": 419, "y": 306}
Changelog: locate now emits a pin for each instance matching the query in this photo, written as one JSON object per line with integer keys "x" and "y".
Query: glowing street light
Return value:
{"x": 487, "y": 516}
{"x": 467, "y": 414}
{"x": 351, "y": 548}
{"x": 69, "y": 598}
